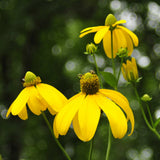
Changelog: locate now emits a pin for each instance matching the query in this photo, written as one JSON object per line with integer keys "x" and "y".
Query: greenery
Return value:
{"x": 42, "y": 36}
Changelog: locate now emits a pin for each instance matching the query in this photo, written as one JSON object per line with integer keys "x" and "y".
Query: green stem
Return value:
{"x": 109, "y": 143}
{"x": 119, "y": 71}
{"x": 150, "y": 116}
{"x": 90, "y": 150}
{"x": 143, "y": 114}
{"x": 113, "y": 63}
{"x": 51, "y": 130}
{"x": 97, "y": 69}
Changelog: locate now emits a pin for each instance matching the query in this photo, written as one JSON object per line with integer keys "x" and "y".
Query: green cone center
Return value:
{"x": 31, "y": 79}
{"x": 110, "y": 20}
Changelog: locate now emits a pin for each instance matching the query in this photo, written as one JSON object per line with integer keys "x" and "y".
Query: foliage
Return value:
{"x": 43, "y": 36}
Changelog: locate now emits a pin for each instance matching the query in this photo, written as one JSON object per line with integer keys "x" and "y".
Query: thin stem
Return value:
{"x": 150, "y": 116}
{"x": 119, "y": 71}
{"x": 144, "y": 116}
{"x": 51, "y": 130}
{"x": 97, "y": 69}
{"x": 109, "y": 143}
{"x": 90, "y": 150}
{"x": 113, "y": 63}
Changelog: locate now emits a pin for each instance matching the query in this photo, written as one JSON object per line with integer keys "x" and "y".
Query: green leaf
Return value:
{"x": 157, "y": 122}
{"x": 109, "y": 79}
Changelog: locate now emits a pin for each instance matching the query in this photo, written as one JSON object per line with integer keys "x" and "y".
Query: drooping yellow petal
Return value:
{"x": 88, "y": 117}
{"x": 52, "y": 96}
{"x": 36, "y": 103}
{"x": 76, "y": 127}
{"x": 100, "y": 34}
{"x": 20, "y": 102}
{"x": 107, "y": 44}
{"x": 119, "y": 22}
{"x": 53, "y": 112}
{"x": 122, "y": 101}
{"x": 55, "y": 129}
{"x": 90, "y": 30}
{"x": 121, "y": 40}
{"x": 116, "y": 117}
{"x": 132, "y": 35}
{"x": 129, "y": 42}
{"x": 23, "y": 114}
{"x": 67, "y": 113}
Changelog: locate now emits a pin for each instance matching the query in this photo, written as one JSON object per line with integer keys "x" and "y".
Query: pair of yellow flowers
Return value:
{"x": 84, "y": 109}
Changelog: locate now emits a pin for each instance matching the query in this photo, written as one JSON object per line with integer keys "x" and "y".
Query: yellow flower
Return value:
{"x": 130, "y": 71}
{"x": 38, "y": 96}
{"x": 122, "y": 37}
{"x": 84, "y": 110}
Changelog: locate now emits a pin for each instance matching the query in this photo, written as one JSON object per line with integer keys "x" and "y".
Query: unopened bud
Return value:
{"x": 91, "y": 48}
{"x": 122, "y": 52}
{"x": 146, "y": 98}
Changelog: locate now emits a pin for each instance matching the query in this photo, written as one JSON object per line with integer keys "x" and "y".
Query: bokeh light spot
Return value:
{"x": 144, "y": 61}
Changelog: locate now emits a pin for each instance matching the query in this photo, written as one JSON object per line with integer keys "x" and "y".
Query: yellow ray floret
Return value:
{"x": 84, "y": 110}
{"x": 113, "y": 34}
{"x": 38, "y": 97}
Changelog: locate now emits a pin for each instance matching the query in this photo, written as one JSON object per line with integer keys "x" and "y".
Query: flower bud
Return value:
{"x": 90, "y": 48}
{"x": 130, "y": 71}
{"x": 122, "y": 52}
{"x": 146, "y": 98}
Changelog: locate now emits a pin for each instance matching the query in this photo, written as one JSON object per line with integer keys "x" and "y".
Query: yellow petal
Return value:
{"x": 115, "y": 43}
{"x": 20, "y": 102}
{"x": 118, "y": 41}
{"x": 86, "y": 29}
{"x": 122, "y": 101}
{"x": 100, "y": 34}
{"x": 55, "y": 129}
{"x": 116, "y": 117}
{"x": 107, "y": 44}
{"x": 23, "y": 114}
{"x": 77, "y": 127}
{"x": 52, "y": 96}
{"x": 36, "y": 103}
{"x": 129, "y": 70}
{"x": 88, "y": 117}
{"x": 129, "y": 42}
{"x": 67, "y": 113}
{"x": 90, "y": 30}
{"x": 135, "y": 70}
{"x": 121, "y": 40}
{"x": 53, "y": 112}
{"x": 123, "y": 69}
{"x": 132, "y": 35}
{"x": 119, "y": 22}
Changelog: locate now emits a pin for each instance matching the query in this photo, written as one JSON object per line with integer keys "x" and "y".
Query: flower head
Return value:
{"x": 130, "y": 71}
{"x": 38, "y": 96}
{"x": 84, "y": 110}
{"x": 122, "y": 37}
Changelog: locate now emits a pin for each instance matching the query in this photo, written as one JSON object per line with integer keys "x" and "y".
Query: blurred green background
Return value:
{"x": 43, "y": 36}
